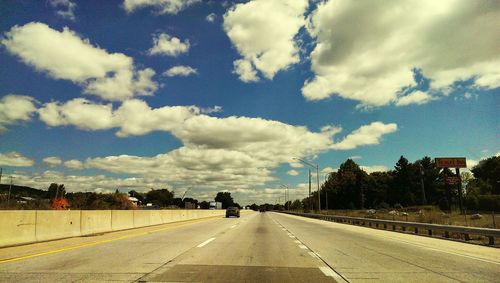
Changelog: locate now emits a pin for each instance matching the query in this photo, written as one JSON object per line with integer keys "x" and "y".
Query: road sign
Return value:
{"x": 452, "y": 180}
{"x": 451, "y": 162}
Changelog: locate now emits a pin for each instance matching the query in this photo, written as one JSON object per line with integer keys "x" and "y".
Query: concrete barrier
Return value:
{"x": 122, "y": 219}
{"x": 57, "y": 224}
{"x": 29, "y": 226}
{"x": 17, "y": 226}
{"x": 95, "y": 221}
{"x": 141, "y": 218}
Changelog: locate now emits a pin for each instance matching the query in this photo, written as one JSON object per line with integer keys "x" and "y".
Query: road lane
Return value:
{"x": 131, "y": 254}
{"x": 258, "y": 250}
{"x": 364, "y": 254}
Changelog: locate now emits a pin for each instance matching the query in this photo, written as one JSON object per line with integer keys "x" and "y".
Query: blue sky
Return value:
{"x": 269, "y": 81}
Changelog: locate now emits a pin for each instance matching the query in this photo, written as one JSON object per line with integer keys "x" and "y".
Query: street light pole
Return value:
{"x": 317, "y": 178}
{"x": 287, "y": 198}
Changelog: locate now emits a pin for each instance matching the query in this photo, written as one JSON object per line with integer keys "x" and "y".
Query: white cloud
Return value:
{"x": 79, "y": 112}
{"x": 245, "y": 71}
{"x": 15, "y": 108}
{"x": 372, "y": 58}
{"x": 374, "y": 168}
{"x": 328, "y": 170}
{"x": 66, "y": 8}
{"x": 263, "y": 33}
{"x": 133, "y": 117}
{"x": 182, "y": 71}
{"x": 65, "y": 55}
{"x": 218, "y": 153}
{"x": 15, "y": 159}
{"x": 164, "y": 44}
{"x": 211, "y": 17}
{"x": 76, "y": 183}
{"x": 293, "y": 172}
{"x": 52, "y": 161}
{"x": 354, "y": 157}
{"x": 161, "y": 6}
{"x": 365, "y": 135}
{"x": 416, "y": 97}
{"x": 74, "y": 164}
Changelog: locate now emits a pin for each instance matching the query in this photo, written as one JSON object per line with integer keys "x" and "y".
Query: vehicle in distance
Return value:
{"x": 232, "y": 211}
{"x": 215, "y": 205}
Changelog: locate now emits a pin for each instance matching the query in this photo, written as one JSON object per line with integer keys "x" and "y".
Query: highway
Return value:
{"x": 258, "y": 247}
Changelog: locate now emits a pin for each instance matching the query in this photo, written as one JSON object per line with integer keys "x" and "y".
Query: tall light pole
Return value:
{"x": 317, "y": 177}
{"x": 10, "y": 189}
{"x": 286, "y": 195}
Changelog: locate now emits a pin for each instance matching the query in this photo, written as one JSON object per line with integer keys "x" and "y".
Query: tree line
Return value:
{"x": 408, "y": 184}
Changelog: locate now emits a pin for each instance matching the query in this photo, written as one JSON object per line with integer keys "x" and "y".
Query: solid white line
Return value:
{"x": 313, "y": 255}
{"x": 303, "y": 247}
{"x": 206, "y": 242}
{"x": 329, "y": 272}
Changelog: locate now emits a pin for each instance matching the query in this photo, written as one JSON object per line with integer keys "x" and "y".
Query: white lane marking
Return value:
{"x": 303, "y": 247}
{"x": 292, "y": 236}
{"x": 205, "y": 243}
{"x": 297, "y": 242}
{"x": 329, "y": 272}
{"x": 283, "y": 229}
{"x": 233, "y": 226}
{"x": 313, "y": 255}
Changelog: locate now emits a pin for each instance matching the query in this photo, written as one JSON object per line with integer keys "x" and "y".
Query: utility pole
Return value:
{"x": 424, "y": 200}
{"x": 10, "y": 189}
{"x": 310, "y": 200}
{"x": 319, "y": 192}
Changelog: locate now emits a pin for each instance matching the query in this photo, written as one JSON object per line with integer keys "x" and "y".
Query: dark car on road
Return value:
{"x": 232, "y": 211}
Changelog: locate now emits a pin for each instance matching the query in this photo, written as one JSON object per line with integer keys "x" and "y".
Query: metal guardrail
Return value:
{"x": 465, "y": 232}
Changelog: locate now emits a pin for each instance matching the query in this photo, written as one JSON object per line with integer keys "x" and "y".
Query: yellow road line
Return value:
{"x": 176, "y": 225}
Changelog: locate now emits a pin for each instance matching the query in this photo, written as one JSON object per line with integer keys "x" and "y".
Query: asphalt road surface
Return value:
{"x": 258, "y": 247}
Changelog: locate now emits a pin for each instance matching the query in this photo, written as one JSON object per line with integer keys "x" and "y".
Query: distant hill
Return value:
{"x": 22, "y": 191}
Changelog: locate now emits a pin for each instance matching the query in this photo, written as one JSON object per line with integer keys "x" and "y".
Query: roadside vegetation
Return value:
{"x": 399, "y": 194}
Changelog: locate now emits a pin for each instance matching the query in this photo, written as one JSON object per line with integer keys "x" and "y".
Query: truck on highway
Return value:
{"x": 215, "y": 205}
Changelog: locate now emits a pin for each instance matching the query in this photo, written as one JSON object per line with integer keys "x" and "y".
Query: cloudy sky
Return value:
{"x": 223, "y": 95}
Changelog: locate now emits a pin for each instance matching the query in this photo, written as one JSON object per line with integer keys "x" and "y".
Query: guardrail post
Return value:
{"x": 429, "y": 232}
{"x": 416, "y": 230}
{"x": 385, "y": 226}
{"x": 492, "y": 240}
{"x": 394, "y": 227}
{"x": 403, "y": 228}
{"x": 446, "y": 234}
{"x": 466, "y": 237}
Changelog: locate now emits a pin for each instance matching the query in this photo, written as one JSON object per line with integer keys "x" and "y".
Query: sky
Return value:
{"x": 227, "y": 95}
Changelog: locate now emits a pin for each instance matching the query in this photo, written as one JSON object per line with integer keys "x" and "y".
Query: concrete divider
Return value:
{"x": 95, "y": 221}
{"x": 17, "y": 226}
{"x": 57, "y": 224}
{"x": 141, "y": 218}
{"x": 29, "y": 226}
{"x": 122, "y": 219}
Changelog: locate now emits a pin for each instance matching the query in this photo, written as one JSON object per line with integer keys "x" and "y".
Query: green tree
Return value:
{"x": 488, "y": 171}
{"x": 225, "y": 198}
{"x": 161, "y": 197}
{"x": 56, "y": 190}
{"x": 204, "y": 205}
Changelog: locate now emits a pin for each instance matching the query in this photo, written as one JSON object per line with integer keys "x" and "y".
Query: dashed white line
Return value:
{"x": 303, "y": 247}
{"x": 233, "y": 226}
{"x": 297, "y": 242}
{"x": 205, "y": 243}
